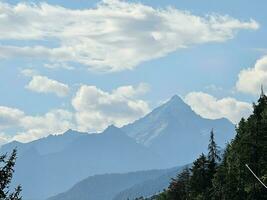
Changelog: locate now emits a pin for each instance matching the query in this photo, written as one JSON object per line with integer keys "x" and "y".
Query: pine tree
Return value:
{"x": 248, "y": 147}
{"x": 179, "y": 187}
{"x": 213, "y": 154}
{"x": 6, "y": 173}
{"x": 198, "y": 180}
{"x": 213, "y": 159}
{"x": 258, "y": 143}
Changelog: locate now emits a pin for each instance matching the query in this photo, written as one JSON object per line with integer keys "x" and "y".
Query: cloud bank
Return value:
{"x": 9, "y": 117}
{"x": 210, "y": 107}
{"x": 114, "y": 36}
{"x": 93, "y": 110}
{"x": 250, "y": 80}
{"x": 29, "y": 128}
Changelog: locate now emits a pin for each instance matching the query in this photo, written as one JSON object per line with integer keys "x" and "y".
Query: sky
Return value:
{"x": 84, "y": 65}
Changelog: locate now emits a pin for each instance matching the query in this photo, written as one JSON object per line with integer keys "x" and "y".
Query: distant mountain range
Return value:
{"x": 83, "y": 155}
{"x": 170, "y": 135}
{"x": 119, "y": 186}
{"x": 149, "y": 187}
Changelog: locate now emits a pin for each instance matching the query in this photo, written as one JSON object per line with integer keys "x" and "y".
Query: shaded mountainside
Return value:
{"x": 149, "y": 187}
{"x": 87, "y": 154}
{"x": 119, "y": 186}
{"x": 46, "y": 145}
{"x": 177, "y": 128}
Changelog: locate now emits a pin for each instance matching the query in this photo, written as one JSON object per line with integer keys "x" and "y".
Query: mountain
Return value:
{"x": 44, "y": 172}
{"x": 120, "y": 186}
{"x": 46, "y": 145}
{"x": 176, "y": 132}
{"x": 105, "y": 187}
{"x": 171, "y": 135}
{"x": 149, "y": 187}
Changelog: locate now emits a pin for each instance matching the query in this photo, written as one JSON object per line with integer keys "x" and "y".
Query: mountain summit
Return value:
{"x": 175, "y": 100}
{"x": 175, "y": 108}
{"x": 176, "y": 132}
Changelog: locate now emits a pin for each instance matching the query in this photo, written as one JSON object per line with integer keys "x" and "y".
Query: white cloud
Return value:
{"x": 43, "y": 84}
{"x": 3, "y": 139}
{"x": 9, "y": 117}
{"x": 210, "y": 107}
{"x": 33, "y": 127}
{"x": 116, "y": 35}
{"x": 251, "y": 79}
{"x": 56, "y": 65}
{"x": 54, "y": 122}
{"x": 96, "y": 109}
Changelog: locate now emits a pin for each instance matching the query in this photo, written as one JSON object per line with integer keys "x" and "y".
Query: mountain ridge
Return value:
{"x": 175, "y": 124}
{"x": 118, "y": 185}
{"x": 83, "y": 155}
{"x": 170, "y": 135}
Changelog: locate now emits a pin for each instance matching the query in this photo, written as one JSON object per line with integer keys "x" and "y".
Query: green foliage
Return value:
{"x": 199, "y": 179}
{"x": 213, "y": 178}
{"x": 248, "y": 147}
{"x": 6, "y": 173}
{"x": 179, "y": 187}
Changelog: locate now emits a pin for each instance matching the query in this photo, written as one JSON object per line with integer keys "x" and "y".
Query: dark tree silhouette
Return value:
{"x": 213, "y": 154}
{"x": 180, "y": 186}
{"x": 6, "y": 172}
{"x": 213, "y": 159}
{"x": 199, "y": 180}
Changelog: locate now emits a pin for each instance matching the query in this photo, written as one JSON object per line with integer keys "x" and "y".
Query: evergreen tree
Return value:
{"x": 198, "y": 181}
{"x": 213, "y": 159}
{"x": 180, "y": 186}
{"x": 248, "y": 147}
{"x": 6, "y": 173}
{"x": 213, "y": 154}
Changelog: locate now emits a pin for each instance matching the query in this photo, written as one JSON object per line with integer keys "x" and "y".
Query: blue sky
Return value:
{"x": 76, "y": 64}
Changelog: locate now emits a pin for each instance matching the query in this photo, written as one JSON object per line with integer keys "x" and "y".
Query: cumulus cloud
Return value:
{"x": 9, "y": 117}
{"x": 33, "y": 127}
{"x": 96, "y": 109}
{"x": 3, "y": 139}
{"x": 210, "y": 107}
{"x": 42, "y": 84}
{"x": 116, "y": 35}
{"x": 54, "y": 122}
{"x": 250, "y": 80}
